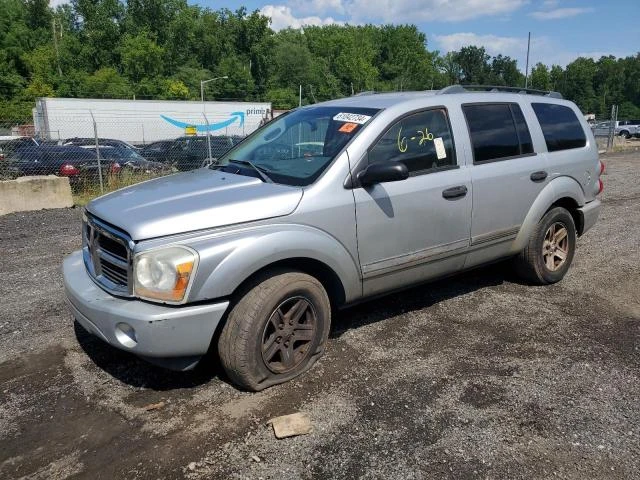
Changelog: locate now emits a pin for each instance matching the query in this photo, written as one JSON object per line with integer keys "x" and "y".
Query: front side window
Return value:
{"x": 295, "y": 148}
{"x": 422, "y": 141}
{"x": 561, "y": 128}
{"x": 498, "y": 131}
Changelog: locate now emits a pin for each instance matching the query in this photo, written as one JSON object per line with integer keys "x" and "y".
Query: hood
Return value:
{"x": 194, "y": 200}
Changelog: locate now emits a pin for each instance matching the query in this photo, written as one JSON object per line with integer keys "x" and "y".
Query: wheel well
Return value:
{"x": 571, "y": 206}
{"x": 325, "y": 274}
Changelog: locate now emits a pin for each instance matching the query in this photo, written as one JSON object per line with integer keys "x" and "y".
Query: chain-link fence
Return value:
{"x": 611, "y": 131}
{"x": 102, "y": 152}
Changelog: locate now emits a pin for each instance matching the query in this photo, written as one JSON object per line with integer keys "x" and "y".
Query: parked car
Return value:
{"x": 189, "y": 152}
{"x": 79, "y": 164}
{"x": 129, "y": 160}
{"x": 7, "y": 147}
{"x": 623, "y": 128}
{"x": 157, "y": 151}
{"x": 102, "y": 142}
{"x": 250, "y": 256}
{"x": 627, "y": 128}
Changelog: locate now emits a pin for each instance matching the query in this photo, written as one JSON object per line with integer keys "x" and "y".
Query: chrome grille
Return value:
{"x": 107, "y": 256}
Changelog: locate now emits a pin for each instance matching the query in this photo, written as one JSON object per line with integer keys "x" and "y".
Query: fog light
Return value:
{"x": 126, "y": 335}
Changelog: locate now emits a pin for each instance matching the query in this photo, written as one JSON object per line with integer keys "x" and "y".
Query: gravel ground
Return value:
{"x": 477, "y": 376}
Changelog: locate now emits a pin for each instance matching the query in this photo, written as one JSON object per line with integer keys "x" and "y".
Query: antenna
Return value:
{"x": 526, "y": 72}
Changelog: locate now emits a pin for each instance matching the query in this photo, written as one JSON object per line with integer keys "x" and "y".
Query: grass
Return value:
{"x": 85, "y": 191}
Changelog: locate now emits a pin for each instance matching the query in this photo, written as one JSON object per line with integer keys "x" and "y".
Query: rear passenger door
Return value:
{"x": 507, "y": 176}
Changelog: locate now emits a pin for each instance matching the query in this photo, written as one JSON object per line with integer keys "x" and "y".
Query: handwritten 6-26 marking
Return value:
{"x": 425, "y": 136}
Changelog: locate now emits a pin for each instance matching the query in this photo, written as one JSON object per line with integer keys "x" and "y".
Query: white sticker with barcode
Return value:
{"x": 441, "y": 152}
{"x": 352, "y": 118}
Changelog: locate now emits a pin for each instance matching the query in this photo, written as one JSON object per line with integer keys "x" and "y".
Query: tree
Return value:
{"x": 141, "y": 57}
{"x": 474, "y": 65}
{"x": 451, "y": 68}
{"x": 174, "y": 90}
{"x": 164, "y": 48}
{"x": 38, "y": 88}
{"x": 106, "y": 83}
{"x": 504, "y": 71}
{"x": 540, "y": 77}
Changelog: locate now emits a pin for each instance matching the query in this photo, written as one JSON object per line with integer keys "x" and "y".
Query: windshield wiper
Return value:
{"x": 260, "y": 170}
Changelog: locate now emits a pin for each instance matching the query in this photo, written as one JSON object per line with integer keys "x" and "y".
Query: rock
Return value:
{"x": 153, "y": 406}
{"x": 255, "y": 458}
{"x": 192, "y": 466}
{"x": 291, "y": 425}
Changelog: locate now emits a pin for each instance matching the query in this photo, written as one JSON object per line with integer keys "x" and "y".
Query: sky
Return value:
{"x": 561, "y": 30}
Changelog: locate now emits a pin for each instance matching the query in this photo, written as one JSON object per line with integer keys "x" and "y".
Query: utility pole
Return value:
{"x": 55, "y": 44}
{"x": 526, "y": 72}
{"x": 204, "y": 113}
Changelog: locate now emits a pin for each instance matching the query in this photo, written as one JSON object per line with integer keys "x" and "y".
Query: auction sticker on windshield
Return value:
{"x": 352, "y": 117}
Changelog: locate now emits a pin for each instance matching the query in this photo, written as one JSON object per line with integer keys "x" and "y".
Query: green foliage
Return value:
{"x": 141, "y": 57}
{"x": 165, "y": 48}
{"x": 38, "y": 88}
{"x": 106, "y": 83}
{"x": 540, "y": 77}
{"x": 173, "y": 90}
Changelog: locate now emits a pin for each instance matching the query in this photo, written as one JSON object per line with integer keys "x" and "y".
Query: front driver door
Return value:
{"x": 418, "y": 228}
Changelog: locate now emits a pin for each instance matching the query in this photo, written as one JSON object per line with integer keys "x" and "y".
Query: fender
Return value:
{"x": 559, "y": 187}
{"x": 228, "y": 260}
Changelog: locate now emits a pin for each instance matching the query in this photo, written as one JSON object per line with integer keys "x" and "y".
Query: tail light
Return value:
{"x": 114, "y": 168}
{"x": 68, "y": 170}
{"x": 602, "y": 171}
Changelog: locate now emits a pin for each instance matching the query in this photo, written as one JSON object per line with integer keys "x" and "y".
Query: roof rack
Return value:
{"x": 494, "y": 88}
{"x": 366, "y": 92}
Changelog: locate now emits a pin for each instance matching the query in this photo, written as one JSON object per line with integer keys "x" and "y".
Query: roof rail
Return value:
{"x": 496, "y": 88}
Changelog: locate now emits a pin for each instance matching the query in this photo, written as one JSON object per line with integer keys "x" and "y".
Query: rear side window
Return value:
{"x": 498, "y": 131}
{"x": 561, "y": 128}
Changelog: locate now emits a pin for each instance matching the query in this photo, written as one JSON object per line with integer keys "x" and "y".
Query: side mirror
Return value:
{"x": 383, "y": 172}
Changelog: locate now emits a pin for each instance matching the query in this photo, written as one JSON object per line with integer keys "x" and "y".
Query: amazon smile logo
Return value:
{"x": 203, "y": 127}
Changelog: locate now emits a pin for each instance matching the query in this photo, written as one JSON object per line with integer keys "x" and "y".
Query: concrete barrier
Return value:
{"x": 34, "y": 193}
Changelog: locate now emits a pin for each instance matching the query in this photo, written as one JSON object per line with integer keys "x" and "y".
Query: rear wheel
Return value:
{"x": 625, "y": 134}
{"x": 276, "y": 330}
{"x": 548, "y": 255}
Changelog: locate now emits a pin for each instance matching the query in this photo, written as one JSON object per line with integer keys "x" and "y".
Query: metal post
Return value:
{"x": 526, "y": 72}
{"x": 300, "y": 97}
{"x": 95, "y": 133}
{"x": 206, "y": 120}
{"x": 612, "y": 127}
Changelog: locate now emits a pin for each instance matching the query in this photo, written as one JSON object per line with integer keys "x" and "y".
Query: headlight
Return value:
{"x": 164, "y": 274}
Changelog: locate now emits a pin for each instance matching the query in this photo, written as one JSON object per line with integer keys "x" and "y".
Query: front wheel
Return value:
{"x": 548, "y": 255}
{"x": 276, "y": 330}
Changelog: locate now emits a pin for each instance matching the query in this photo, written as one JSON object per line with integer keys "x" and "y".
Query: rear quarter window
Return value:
{"x": 560, "y": 126}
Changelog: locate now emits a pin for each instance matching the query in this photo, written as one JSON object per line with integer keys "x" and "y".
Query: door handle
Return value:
{"x": 540, "y": 176}
{"x": 454, "y": 192}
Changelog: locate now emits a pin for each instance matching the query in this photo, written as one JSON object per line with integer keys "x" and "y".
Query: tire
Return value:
{"x": 258, "y": 346}
{"x": 533, "y": 263}
{"x": 625, "y": 134}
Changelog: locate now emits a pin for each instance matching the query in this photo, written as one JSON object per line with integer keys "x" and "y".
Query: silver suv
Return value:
{"x": 325, "y": 206}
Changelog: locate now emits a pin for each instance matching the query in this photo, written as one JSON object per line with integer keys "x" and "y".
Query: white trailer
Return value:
{"x": 143, "y": 121}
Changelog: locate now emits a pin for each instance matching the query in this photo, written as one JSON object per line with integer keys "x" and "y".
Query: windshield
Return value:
{"x": 296, "y": 148}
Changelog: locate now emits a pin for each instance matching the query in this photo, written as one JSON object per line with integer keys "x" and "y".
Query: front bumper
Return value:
{"x": 589, "y": 214}
{"x": 149, "y": 330}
